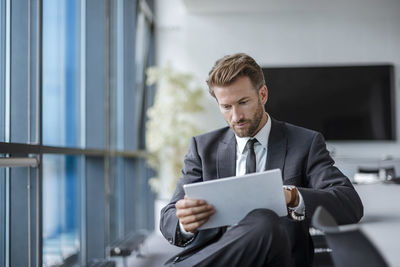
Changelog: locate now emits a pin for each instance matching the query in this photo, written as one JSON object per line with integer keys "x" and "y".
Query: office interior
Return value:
{"x": 77, "y": 166}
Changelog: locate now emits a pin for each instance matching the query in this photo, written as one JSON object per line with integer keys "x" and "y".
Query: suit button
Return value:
{"x": 170, "y": 240}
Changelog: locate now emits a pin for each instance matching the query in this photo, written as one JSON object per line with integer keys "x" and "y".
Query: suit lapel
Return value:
{"x": 226, "y": 156}
{"x": 277, "y": 145}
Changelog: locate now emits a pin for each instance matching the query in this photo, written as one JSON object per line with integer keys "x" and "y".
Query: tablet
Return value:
{"x": 235, "y": 197}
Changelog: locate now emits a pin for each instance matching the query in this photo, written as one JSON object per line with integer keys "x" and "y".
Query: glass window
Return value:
{"x": 85, "y": 52}
{"x": 117, "y": 196}
{"x": 143, "y": 194}
{"x": 2, "y": 71}
{"x": 141, "y": 63}
{"x": 21, "y": 215}
{"x": 19, "y": 55}
{"x": 61, "y": 114}
{"x": 2, "y": 216}
{"x": 61, "y": 209}
{"x": 2, "y": 135}
{"x": 116, "y": 96}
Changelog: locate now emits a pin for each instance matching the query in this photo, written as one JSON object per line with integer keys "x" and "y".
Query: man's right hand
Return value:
{"x": 193, "y": 213}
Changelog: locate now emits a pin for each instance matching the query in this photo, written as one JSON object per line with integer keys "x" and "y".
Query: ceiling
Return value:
{"x": 273, "y": 6}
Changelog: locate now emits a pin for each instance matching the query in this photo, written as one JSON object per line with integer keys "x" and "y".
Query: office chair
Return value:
{"x": 350, "y": 247}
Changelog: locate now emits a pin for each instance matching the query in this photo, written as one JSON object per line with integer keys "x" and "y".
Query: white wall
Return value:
{"x": 193, "y": 34}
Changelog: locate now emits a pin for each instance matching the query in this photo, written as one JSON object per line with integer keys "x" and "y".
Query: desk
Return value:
{"x": 381, "y": 221}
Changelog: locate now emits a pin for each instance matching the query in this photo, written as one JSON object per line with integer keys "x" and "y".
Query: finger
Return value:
{"x": 192, "y": 227}
{"x": 193, "y": 211}
{"x": 188, "y": 203}
{"x": 197, "y": 217}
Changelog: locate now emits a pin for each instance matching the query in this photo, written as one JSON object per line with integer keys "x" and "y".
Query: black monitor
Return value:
{"x": 341, "y": 102}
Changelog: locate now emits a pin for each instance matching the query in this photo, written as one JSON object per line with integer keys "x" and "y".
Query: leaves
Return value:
{"x": 171, "y": 124}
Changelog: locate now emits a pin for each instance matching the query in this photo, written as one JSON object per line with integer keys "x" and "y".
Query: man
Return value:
{"x": 255, "y": 142}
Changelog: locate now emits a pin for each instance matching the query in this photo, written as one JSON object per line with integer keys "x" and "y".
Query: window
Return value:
{"x": 61, "y": 224}
{"x": 127, "y": 181}
{"x": 2, "y": 70}
{"x": 60, "y": 76}
{"x": 2, "y": 217}
{"x": 73, "y": 177}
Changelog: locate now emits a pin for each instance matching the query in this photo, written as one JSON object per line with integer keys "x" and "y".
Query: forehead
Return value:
{"x": 238, "y": 90}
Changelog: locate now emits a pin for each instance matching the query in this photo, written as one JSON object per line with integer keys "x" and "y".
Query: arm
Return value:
{"x": 329, "y": 187}
{"x": 191, "y": 213}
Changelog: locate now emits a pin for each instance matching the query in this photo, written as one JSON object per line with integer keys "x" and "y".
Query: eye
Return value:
{"x": 243, "y": 102}
{"x": 226, "y": 107}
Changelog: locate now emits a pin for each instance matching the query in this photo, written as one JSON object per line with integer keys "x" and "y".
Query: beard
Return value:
{"x": 254, "y": 122}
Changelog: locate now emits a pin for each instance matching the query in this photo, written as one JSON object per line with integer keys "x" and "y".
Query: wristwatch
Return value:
{"x": 296, "y": 216}
{"x": 294, "y": 195}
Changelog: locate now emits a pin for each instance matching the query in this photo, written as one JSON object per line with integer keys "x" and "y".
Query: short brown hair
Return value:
{"x": 231, "y": 67}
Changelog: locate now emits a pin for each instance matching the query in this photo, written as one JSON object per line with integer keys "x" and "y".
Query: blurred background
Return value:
{"x": 75, "y": 156}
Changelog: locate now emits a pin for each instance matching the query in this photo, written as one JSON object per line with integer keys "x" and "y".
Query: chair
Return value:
{"x": 350, "y": 247}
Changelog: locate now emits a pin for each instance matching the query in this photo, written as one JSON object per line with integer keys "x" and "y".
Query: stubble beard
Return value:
{"x": 253, "y": 123}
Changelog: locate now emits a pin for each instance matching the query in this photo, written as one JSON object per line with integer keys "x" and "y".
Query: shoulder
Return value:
{"x": 297, "y": 133}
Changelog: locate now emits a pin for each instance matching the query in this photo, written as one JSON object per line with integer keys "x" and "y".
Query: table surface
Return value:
{"x": 381, "y": 221}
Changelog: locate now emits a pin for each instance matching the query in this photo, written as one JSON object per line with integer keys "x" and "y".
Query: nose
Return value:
{"x": 236, "y": 114}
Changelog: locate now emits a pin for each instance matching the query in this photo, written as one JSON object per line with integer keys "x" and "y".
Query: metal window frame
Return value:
{"x": 2, "y": 132}
{"x": 16, "y": 153}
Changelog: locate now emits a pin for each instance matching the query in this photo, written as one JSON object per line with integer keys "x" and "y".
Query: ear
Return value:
{"x": 263, "y": 94}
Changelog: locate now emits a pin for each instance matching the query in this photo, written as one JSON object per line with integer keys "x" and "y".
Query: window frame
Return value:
{"x": 91, "y": 154}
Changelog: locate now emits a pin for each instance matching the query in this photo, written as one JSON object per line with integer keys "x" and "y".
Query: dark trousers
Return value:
{"x": 257, "y": 240}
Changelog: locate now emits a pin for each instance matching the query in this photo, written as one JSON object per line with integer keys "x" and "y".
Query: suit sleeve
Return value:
{"x": 329, "y": 187}
{"x": 191, "y": 173}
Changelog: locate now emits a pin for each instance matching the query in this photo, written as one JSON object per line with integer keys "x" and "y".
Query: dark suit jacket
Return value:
{"x": 304, "y": 161}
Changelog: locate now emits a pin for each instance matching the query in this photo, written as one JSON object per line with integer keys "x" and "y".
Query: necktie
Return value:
{"x": 251, "y": 156}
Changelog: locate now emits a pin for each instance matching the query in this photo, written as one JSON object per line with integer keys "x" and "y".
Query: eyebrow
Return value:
{"x": 242, "y": 99}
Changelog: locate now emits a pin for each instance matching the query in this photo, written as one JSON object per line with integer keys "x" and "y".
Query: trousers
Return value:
{"x": 257, "y": 240}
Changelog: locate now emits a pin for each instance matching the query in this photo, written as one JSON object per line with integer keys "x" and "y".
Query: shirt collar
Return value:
{"x": 262, "y": 136}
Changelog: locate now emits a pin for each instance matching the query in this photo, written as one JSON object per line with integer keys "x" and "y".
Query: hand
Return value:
{"x": 193, "y": 213}
{"x": 292, "y": 197}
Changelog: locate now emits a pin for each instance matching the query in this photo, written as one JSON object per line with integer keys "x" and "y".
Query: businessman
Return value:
{"x": 255, "y": 142}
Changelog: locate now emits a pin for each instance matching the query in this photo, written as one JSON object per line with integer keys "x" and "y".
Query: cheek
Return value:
{"x": 226, "y": 114}
{"x": 250, "y": 111}
{"x": 247, "y": 110}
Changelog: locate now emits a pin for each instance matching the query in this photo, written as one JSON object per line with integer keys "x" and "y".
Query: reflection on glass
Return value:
{"x": 116, "y": 99}
{"x": 141, "y": 63}
{"x": 60, "y": 209}
{"x": 60, "y": 72}
{"x": 142, "y": 47}
{"x": 116, "y": 198}
{"x": 146, "y": 207}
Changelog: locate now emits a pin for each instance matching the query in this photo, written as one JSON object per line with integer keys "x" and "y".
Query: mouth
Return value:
{"x": 241, "y": 125}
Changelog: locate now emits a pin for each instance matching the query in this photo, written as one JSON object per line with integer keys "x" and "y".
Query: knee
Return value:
{"x": 262, "y": 216}
{"x": 263, "y": 222}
